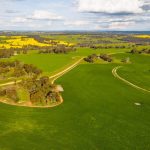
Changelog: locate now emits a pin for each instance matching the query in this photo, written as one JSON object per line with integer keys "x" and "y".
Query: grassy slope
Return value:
{"x": 51, "y": 63}
{"x": 98, "y": 113}
{"x": 138, "y": 72}
{"x": 47, "y": 62}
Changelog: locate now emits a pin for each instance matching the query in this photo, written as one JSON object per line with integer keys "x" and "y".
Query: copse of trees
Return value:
{"x": 9, "y": 92}
{"x": 39, "y": 38}
{"x": 59, "y": 48}
{"x": 92, "y": 58}
{"x": 134, "y": 51}
{"x": 137, "y": 40}
{"x": 6, "y": 53}
{"x": 106, "y": 57}
{"x": 143, "y": 51}
{"x": 104, "y": 45}
{"x": 41, "y": 91}
{"x": 31, "y": 69}
{"x": 9, "y": 64}
{"x": 109, "y": 46}
{"x": 18, "y": 69}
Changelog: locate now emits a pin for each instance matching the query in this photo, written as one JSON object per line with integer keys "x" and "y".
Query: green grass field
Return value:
{"x": 52, "y": 63}
{"x": 98, "y": 113}
{"x": 138, "y": 72}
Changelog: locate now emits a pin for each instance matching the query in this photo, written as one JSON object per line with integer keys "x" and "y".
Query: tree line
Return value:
{"x": 92, "y": 58}
{"x": 143, "y": 51}
{"x": 59, "y": 48}
{"x": 40, "y": 91}
{"x": 18, "y": 69}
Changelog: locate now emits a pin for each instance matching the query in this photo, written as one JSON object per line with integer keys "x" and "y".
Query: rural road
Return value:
{"x": 9, "y": 83}
{"x": 53, "y": 77}
{"x": 58, "y": 75}
{"x": 114, "y": 72}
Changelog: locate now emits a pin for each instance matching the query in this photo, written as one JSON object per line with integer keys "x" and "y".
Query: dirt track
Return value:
{"x": 54, "y": 77}
{"x": 58, "y": 75}
{"x": 114, "y": 72}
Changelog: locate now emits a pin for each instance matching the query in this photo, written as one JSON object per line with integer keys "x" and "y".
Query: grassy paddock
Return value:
{"x": 138, "y": 71}
{"x": 89, "y": 118}
{"x": 52, "y": 63}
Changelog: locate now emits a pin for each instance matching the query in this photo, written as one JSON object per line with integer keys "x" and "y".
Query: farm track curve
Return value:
{"x": 115, "y": 74}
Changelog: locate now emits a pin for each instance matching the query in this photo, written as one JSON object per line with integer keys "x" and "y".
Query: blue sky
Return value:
{"x": 75, "y": 15}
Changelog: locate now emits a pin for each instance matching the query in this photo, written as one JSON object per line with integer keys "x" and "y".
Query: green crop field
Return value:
{"x": 98, "y": 113}
{"x": 74, "y": 75}
{"x": 51, "y": 63}
{"x": 138, "y": 72}
{"x": 98, "y": 110}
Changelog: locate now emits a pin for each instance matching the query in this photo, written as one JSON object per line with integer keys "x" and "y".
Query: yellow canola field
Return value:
{"x": 142, "y": 36}
{"x": 64, "y": 43}
{"x": 26, "y": 41}
{"x": 2, "y": 36}
{"x": 19, "y": 42}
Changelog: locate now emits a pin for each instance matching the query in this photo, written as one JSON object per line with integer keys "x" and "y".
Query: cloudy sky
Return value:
{"x": 75, "y": 15}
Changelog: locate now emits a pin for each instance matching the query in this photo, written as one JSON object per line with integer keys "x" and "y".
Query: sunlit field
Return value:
{"x": 142, "y": 36}
{"x": 74, "y": 91}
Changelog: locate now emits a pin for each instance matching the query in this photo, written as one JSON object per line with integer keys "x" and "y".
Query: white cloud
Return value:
{"x": 111, "y": 6}
{"x": 77, "y": 23}
{"x": 19, "y": 20}
{"x": 64, "y": 15}
{"x": 45, "y": 15}
{"x": 121, "y": 25}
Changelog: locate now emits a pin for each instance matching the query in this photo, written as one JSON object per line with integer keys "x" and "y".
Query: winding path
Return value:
{"x": 10, "y": 83}
{"x": 58, "y": 75}
{"x": 114, "y": 72}
{"x": 53, "y": 77}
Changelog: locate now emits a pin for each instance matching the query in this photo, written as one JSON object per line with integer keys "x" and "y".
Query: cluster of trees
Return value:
{"x": 23, "y": 50}
{"x": 56, "y": 48}
{"x": 94, "y": 40}
{"x": 41, "y": 90}
{"x": 93, "y": 57}
{"x": 106, "y": 57}
{"x": 18, "y": 69}
{"x": 41, "y": 39}
{"x": 10, "y": 92}
{"x": 6, "y": 53}
{"x": 106, "y": 46}
{"x": 110, "y": 46}
{"x": 143, "y": 51}
{"x": 84, "y": 44}
{"x": 59, "y": 48}
{"x": 136, "y": 40}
